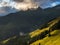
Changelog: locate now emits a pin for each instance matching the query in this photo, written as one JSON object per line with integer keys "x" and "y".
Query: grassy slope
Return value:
{"x": 49, "y": 25}
{"x": 53, "y": 40}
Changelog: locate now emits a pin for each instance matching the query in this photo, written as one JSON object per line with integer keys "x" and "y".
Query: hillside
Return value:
{"x": 26, "y": 21}
{"x": 45, "y": 39}
{"x": 53, "y": 40}
{"x": 39, "y": 36}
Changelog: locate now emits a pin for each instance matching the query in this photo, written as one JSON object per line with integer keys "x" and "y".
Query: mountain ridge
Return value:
{"x": 41, "y": 38}
{"x": 25, "y": 21}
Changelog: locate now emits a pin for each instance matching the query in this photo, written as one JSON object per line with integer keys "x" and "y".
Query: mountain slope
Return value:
{"x": 25, "y": 21}
{"x": 45, "y": 39}
{"x": 53, "y": 40}
{"x": 39, "y": 36}
{"x": 51, "y": 25}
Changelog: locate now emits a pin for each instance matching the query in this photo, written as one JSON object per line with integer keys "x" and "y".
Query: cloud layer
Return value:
{"x": 11, "y": 6}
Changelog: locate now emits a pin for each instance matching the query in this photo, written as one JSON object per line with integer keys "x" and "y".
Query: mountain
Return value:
{"x": 25, "y": 21}
{"x": 38, "y": 37}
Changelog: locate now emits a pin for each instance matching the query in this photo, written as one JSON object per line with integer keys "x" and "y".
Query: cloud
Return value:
{"x": 11, "y": 6}
{"x": 29, "y": 4}
{"x": 25, "y": 4}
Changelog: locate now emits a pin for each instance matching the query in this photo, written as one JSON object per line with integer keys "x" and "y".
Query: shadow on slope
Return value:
{"x": 25, "y": 21}
{"x": 27, "y": 40}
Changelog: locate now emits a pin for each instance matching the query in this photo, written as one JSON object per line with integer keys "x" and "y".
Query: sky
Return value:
{"x": 12, "y": 6}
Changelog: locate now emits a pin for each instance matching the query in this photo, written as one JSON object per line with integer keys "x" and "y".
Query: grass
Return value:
{"x": 53, "y": 40}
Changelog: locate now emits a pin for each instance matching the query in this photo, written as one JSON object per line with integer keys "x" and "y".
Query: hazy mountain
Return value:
{"x": 26, "y": 21}
{"x": 39, "y": 36}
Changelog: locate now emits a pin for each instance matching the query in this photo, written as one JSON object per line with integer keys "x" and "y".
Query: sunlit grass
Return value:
{"x": 53, "y": 40}
{"x": 5, "y": 41}
{"x": 38, "y": 31}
